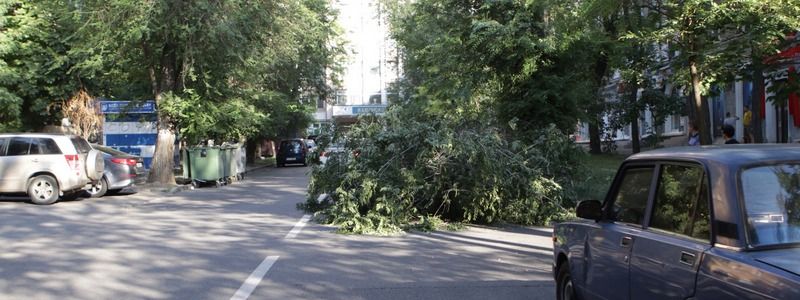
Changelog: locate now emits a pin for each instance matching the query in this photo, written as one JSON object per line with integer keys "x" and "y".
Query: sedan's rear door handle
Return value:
{"x": 626, "y": 242}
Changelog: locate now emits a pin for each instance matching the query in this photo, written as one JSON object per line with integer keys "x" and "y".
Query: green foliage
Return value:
{"x": 33, "y": 64}
{"x": 494, "y": 54}
{"x": 407, "y": 164}
{"x": 597, "y": 176}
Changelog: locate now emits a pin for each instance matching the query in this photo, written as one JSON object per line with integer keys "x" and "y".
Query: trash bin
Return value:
{"x": 241, "y": 161}
{"x": 185, "y": 164}
{"x": 225, "y": 155}
{"x": 206, "y": 165}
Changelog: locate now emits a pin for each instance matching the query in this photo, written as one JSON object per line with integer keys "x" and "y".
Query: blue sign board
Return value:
{"x": 128, "y": 107}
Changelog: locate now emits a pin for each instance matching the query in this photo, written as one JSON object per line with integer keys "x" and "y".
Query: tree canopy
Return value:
{"x": 223, "y": 70}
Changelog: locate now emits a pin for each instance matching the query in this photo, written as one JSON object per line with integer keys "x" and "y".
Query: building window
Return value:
{"x": 320, "y": 102}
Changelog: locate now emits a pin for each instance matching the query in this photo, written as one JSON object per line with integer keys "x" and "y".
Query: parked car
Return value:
{"x": 122, "y": 170}
{"x": 717, "y": 222}
{"x": 293, "y": 151}
{"x": 311, "y": 144}
{"x": 47, "y": 166}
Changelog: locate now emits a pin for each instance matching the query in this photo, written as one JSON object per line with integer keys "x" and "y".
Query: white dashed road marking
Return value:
{"x": 258, "y": 274}
{"x": 255, "y": 278}
{"x": 298, "y": 227}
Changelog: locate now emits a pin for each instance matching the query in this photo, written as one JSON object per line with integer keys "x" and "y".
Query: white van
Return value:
{"x": 47, "y": 166}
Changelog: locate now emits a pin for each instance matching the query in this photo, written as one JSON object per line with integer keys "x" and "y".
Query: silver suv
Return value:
{"x": 46, "y": 166}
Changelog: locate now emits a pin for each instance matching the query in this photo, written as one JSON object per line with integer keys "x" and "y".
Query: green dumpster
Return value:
{"x": 231, "y": 164}
{"x": 185, "y": 163}
{"x": 206, "y": 164}
{"x": 225, "y": 162}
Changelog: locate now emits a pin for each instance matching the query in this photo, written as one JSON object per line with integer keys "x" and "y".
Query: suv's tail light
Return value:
{"x": 74, "y": 162}
{"x": 124, "y": 161}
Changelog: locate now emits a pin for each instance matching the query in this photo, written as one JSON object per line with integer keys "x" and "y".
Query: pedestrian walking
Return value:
{"x": 730, "y": 120}
{"x": 747, "y": 121}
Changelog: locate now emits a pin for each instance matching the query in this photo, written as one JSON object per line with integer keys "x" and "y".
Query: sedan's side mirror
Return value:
{"x": 589, "y": 209}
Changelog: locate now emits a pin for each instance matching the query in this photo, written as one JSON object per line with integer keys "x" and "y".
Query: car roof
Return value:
{"x": 730, "y": 155}
{"x": 35, "y": 134}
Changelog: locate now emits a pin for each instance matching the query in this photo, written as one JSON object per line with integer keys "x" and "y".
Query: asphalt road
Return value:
{"x": 248, "y": 241}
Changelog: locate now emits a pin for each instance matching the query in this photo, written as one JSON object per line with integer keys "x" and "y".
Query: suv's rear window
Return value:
{"x": 44, "y": 146}
{"x": 81, "y": 145}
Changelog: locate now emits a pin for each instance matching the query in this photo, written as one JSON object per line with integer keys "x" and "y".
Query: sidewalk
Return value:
{"x": 176, "y": 188}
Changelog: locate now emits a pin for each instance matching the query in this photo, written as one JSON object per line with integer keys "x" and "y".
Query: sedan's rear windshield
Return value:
{"x": 772, "y": 203}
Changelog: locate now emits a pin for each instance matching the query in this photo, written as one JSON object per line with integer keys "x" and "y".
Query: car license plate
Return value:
{"x": 139, "y": 165}
{"x": 291, "y": 158}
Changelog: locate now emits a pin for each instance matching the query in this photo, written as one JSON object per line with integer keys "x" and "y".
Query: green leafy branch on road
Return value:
{"x": 407, "y": 166}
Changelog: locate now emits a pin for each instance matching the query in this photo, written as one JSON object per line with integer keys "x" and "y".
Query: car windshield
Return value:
{"x": 772, "y": 203}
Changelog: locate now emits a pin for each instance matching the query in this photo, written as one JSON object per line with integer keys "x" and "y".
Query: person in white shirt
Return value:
{"x": 729, "y": 120}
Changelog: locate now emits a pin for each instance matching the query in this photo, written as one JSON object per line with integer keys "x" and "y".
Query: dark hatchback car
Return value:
{"x": 122, "y": 170}
{"x": 292, "y": 151}
{"x": 716, "y": 222}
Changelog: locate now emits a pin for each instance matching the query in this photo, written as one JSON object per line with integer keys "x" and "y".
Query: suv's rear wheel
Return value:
{"x": 43, "y": 190}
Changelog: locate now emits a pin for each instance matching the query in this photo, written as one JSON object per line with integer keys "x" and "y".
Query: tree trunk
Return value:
{"x": 633, "y": 98}
{"x": 252, "y": 147}
{"x": 163, "y": 163}
{"x": 594, "y": 137}
{"x": 701, "y": 109}
{"x": 636, "y": 145}
{"x": 756, "y": 94}
{"x": 161, "y": 169}
{"x": 596, "y": 109}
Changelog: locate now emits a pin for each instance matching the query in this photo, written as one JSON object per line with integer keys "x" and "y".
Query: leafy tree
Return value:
{"x": 709, "y": 36}
{"x": 209, "y": 64}
{"x": 491, "y": 57}
{"x": 34, "y": 64}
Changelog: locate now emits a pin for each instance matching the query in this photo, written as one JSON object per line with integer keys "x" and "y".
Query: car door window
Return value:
{"x": 18, "y": 146}
{"x": 682, "y": 205}
{"x": 630, "y": 201}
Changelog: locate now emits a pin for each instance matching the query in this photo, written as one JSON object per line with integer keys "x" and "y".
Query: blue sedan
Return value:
{"x": 716, "y": 222}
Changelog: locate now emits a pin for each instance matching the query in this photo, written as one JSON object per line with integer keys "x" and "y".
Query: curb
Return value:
{"x": 186, "y": 187}
{"x": 254, "y": 168}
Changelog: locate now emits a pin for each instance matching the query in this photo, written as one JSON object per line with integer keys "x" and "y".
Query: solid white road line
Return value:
{"x": 255, "y": 278}
{"x": 298, "y": 227}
